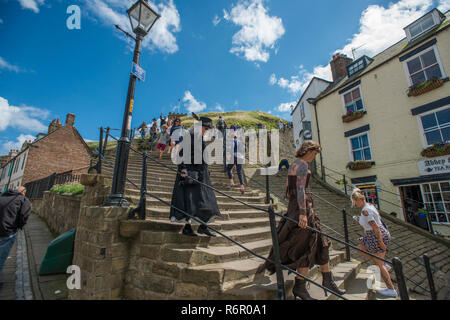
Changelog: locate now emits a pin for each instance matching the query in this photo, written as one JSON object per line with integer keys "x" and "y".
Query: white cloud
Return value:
{"x": 160, "y": 37}
{"x": 23, "y": 117}
{"x": 380, "y": 28}
{"x": 444, "y": 5}
{"x": 32, "y": 5}
{"x": 16, "y": 145}
{"x": 8, "y": 66}
{"x": 259, "y": 31}
{"x": 216, "y": 20}
{"x": 192, "y": 104}
{"x": 219, "y": 108}
{"x": 286, "y": 107}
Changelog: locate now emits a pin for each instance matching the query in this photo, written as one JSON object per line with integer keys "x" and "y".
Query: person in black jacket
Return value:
{"x": 196, "y": 199}
{"x": 15, "y": 209}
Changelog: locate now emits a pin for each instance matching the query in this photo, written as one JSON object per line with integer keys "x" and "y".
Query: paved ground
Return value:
{"x": 20, "y": 273}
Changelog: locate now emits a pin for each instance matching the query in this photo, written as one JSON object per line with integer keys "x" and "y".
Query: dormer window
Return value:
{"x": 358, "y": 65}
{"x": 424, "y": 24}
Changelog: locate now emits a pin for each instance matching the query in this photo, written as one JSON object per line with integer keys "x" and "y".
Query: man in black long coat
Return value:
{"x": 195, "y": 199}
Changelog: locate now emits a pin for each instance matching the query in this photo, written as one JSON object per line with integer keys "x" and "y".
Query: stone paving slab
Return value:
{"x": 8, "y": 276}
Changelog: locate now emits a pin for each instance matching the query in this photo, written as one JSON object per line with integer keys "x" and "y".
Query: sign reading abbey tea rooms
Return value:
{"x": 434, "y": 166}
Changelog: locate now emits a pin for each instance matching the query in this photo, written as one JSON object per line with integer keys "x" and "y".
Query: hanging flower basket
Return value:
{"x": 359, "y": 165}
{"x": 352, "y": 115}
{"x": 436, "y": 150}
{"x": 425, "y": 86}
{"x": 339, "y": 182}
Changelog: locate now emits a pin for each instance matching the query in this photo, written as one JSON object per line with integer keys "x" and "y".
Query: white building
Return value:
{"x": 301, "y": 115}
{"x": 11, "y": 173}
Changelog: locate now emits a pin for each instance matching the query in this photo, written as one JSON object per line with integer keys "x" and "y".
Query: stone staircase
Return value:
{"x": 174, "y": 266}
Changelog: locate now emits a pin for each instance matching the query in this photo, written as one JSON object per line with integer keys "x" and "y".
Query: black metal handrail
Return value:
{"x": 426, "y": 262}
{"x": 232, "y": 240}
{"x": 397, "y": 264}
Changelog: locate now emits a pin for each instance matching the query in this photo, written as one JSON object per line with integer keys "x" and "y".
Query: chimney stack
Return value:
{"x": 339, "y": 66}
{"x": 70, "y": 119}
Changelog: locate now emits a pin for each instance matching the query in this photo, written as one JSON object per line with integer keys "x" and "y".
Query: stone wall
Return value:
{"x": 60, "y": 212}
{"x": 99, "y": 251}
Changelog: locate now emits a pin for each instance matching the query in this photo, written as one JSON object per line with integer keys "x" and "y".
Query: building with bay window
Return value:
{"x": 384, "y": 123}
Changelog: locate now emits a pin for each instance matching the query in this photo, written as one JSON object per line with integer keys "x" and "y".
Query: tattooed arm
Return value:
{"x": 302, "y": 173}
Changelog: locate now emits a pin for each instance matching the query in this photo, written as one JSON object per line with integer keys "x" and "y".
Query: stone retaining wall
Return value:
{"x": 60, "y": 212}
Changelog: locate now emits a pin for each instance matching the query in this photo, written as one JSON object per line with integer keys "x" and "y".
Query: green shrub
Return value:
{"x": 69, "y": 188}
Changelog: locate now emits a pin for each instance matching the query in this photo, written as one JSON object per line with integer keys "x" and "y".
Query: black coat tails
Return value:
{"x": 195, "y": 199}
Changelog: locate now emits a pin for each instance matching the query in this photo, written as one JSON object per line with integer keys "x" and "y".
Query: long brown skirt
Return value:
{"x": 300, "y": 248}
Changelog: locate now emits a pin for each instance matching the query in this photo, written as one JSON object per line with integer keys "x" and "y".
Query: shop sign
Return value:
{"x": 434, "y": 166}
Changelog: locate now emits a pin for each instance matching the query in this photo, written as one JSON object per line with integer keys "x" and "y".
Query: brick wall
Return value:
{"x": 60, "y": 151}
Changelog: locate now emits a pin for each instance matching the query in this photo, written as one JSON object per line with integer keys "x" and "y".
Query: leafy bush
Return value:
{"x": 69, "y": 188}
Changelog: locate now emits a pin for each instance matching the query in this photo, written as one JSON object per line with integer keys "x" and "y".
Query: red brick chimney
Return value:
{"x": 52, "y": 127}
{"x": 339, "y": 66}
{"x": 70, "y": 119}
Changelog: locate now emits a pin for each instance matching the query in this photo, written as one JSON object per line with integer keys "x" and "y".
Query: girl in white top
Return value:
{"x": 376, "y": 238}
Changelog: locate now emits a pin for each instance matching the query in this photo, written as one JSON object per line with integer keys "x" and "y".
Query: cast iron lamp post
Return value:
{"x": 142, "y": 18}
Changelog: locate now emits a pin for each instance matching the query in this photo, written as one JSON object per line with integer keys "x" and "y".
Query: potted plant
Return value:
{"x": 359, "y": 165}
{"x": 352, "y": 115}
{"x": 436, "y": 150}
{"x": 425, "y": 86}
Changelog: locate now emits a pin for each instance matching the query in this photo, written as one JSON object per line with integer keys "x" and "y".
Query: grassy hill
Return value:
{"x": 244, "y": 118}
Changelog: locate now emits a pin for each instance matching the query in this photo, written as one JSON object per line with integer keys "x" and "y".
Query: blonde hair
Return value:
{"x": 357, "y": 194}
{"x": 307, "y": 146}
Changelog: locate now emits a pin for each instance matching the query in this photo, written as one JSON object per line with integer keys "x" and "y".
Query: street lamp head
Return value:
{"x": 142, "y": 17}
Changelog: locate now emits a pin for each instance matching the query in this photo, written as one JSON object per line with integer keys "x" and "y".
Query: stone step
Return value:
{"x": 227, "y": 204}
{"x": 169, "y": 188}
{"x": 163, "y": 212}
{"x": 236, "y": 272}
{"x": 163, "y": 173}
{"x": 264, "y": 287}
{"x": 213, "y": 254}
{"x": 243, "y": 235}
{"x": 251, "y": 198}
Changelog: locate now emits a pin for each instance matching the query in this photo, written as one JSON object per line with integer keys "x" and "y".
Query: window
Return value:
{"x": 23, "y": 162}
{"x": 421, "y": 27}
{"x": 17, "y": 165}
{"x": 437, "y": 200}
{"x": 302, "y": 111}
{"x": 353, "y": 101}
{"x": 361, "y": 148}
{"x": 424, "y": 66}
{"x": 436, "y": 126}
{"x": 355, "y": 67}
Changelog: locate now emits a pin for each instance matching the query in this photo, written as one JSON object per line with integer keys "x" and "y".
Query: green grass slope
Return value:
{"x": 244, "y": 118}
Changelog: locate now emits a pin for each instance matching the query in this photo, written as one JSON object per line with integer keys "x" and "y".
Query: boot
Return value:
{"x": 204, "y": 230}
{"x": 299, "y": 290}
{"x": 328, "y": 282}
{"x": 187, "y": 230}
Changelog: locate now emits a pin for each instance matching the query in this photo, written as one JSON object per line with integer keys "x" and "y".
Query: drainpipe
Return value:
{"x": 313, "y": 102}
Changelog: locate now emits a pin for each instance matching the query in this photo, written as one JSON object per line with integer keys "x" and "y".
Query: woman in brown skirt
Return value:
{"x": 301, "y": 248}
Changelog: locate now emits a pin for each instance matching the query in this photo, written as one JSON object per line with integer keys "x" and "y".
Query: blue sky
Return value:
{"x": 213, "y": 55}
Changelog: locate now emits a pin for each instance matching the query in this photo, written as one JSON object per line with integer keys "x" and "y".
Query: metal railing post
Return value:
{"x": 323, "y": 174}
{"x": 105, "y": 143}
{"x": 267, "y": 189}
{"x": 401, "y": 283}
{"x": 100, "y": 148}
{"x": 426, "y": 261}
{"x": 378, "y": 199}
{"x": 345, "y": 184}
{"x": 276, "y": 251}
{"x": 141, "y": 208}
{"x": 430, "y": 225}
{"x": 347, "y": 247}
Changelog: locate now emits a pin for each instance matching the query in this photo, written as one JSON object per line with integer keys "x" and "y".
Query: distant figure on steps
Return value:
{"x": 190, "y": 196}
{"x": 301, "y": 248}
